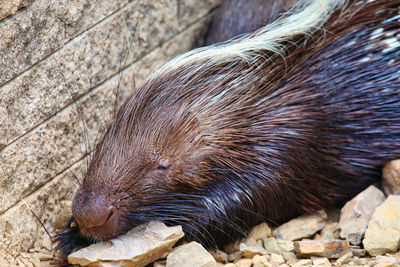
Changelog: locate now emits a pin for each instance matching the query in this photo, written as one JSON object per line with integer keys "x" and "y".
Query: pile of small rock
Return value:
{"x": 365, "y": 232}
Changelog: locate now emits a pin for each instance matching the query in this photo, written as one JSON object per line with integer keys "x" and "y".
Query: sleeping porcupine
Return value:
{"x": 296, "y": 116}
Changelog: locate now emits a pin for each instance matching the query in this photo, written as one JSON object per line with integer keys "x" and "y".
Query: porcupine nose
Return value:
{"x": 95, "y": 216}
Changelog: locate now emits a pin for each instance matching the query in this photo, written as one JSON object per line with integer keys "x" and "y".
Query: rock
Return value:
{"x": 249, "y": 251}
{"x": 232, "y": 247}
{"x": 324, "y": 248}
{"x": 302, "y": 263}
{"x": 160, "y": 264}
{"x": 234, "y": 256}
{"x": 276, "y": 258}
{"x": 330, "y": 231}
{"x": 345, "y": 258}
{"x": 356, "y": 214}
{"x": 385, "y": 261}
{"x": 320, "y": 261}
{"x": 63, "y": 214}
{"x": 243, "y": 263}
{"x": 139, "y": 247}
{"x": 358, "y": 252}
{"x": 260, "y": 261}
{"x": 289, "y": 256}
{"x": 219, "y": 255}
{"x": 302, "y": 227}
{"x": 391, "y": 177}
{"x": 190, "y": 255}
{"x": 230, "y": 265}
{"x": 259, "y": 232}
{"x": 383, "y": 232}
{"x": 278, "y": 246}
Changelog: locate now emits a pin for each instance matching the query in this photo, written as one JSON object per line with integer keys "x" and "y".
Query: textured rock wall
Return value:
{"x": 60, "y": 65}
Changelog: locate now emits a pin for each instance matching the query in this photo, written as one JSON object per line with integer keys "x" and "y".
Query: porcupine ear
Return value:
{"x": 70, "y": 239}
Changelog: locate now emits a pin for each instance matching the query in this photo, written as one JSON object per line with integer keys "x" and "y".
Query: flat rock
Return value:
{"x": 219, "y": 255}
{"x": 277, "y": 259}
{"x": 391, "y": 177}
{"x": 302, "y": 227}
{"x": 356, "y": 214}
{"x": 279, "y": 246}
{"x": 190, "y": 255}
{"x": 244, "y": 263}
{"x": 345, "y": 258}
{"x": 320, "y": 261}
{"x": 305, "y": 262}
{"x": 249, "y": 251}
{"x": 386, "y": 259}
{"x": 330, "y": 231}
{"x": 383, "y": 232}
{"x": 260, "y": 261}
{"x": 323, "y": 248}
{"x": 139, "y": 247}
{"x": 259, "y": 232}
{"x": 234, "y": 256}
{"x": 358, "y": 252}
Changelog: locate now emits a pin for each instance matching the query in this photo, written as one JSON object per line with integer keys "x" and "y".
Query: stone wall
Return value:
{"x": 60, "y": 65}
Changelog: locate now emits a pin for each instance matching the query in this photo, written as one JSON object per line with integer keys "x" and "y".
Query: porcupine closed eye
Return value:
{"x": 296, "y": 116}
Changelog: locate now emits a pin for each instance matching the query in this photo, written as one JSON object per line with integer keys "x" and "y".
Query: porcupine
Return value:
{"x": 296, "y": 116}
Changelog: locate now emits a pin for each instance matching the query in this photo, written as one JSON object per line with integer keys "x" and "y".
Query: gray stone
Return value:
{"x": 302, "y": 227}
{"x": 345, "y": 258}
{"x": 356, "y": 214}
{"x": 383, "y": 232}
{"x": 140, "y": 246}
{"x": 391, "y": 177}
{"x": 190, "y": 255}
{"x": 358, "y": 252}
{"x": 323, "y": 248}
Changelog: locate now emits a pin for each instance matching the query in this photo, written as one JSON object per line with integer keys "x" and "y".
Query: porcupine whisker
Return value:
{"x": 103, "y": 123}
{"x": 122, "y": 67}
{"x": 86, "y": 139}
{"x": 75, "y": 177}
